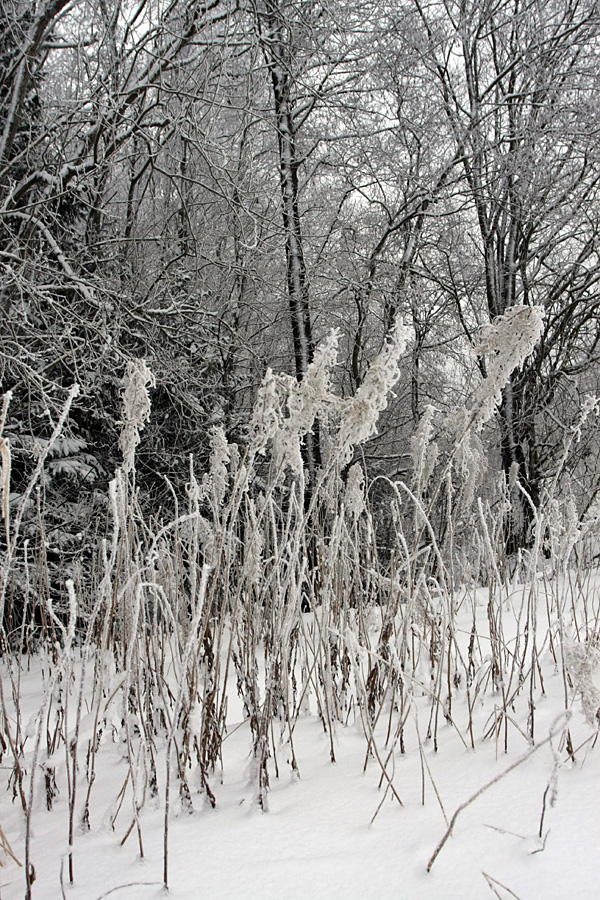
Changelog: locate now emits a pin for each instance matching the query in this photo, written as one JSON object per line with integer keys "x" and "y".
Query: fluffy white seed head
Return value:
{"x": 508, "y": 341}
{"x": 136, "y": 408}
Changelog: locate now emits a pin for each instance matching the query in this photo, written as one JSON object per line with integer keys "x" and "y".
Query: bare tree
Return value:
{"x": 517, "y": 81}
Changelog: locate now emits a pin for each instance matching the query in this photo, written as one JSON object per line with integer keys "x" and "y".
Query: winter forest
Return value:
{"x": 299, "y": 441}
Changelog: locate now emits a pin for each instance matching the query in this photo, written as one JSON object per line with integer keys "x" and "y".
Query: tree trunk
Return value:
{"x": 519, "y": 458}
{"x": 277, "y": 55}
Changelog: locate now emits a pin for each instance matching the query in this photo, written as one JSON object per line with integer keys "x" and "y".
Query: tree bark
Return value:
{"x": 277, "y": 54}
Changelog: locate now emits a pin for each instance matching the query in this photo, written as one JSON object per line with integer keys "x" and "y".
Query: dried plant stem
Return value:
{"x": 557, "y": 727}
{"x": 191, "y": 641}
{"x": 493, "y": 881}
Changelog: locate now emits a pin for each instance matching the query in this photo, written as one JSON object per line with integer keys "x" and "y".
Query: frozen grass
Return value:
{"x": 332, "y": 829}
{"x": 410, "y": 732}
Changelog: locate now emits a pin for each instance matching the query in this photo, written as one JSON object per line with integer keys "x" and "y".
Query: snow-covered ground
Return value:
{"x": 332, "y": 830}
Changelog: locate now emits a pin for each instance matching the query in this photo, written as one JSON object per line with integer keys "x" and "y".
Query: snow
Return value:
{"x": 331, "y": 830}
{"x": 316, "y": 839}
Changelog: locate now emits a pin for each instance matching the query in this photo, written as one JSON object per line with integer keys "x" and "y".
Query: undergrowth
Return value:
{"x": 276, "y": 592}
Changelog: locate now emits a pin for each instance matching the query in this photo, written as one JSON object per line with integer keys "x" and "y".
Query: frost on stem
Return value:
{"x": 354, "y": 496}
{"x": 507, "y": 341}
{"x": 423, "y": 450}
{"x": 254, "y": 544}
{"x": 136, "y": 408}
{"x": 6, "y": 467}
{"x": 286, "y": 410}
{"x": 582, "y": 662}
{"x": 307, "y": 401}
{"x": 361, "y": 412}
{"x": 220, "y": 455}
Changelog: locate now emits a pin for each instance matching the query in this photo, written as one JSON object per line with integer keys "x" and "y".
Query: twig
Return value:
{"x": 7, "y": 848}
{"x": 130, "y": 884}
{"x": 553, "y": 732}
{"x": 492, "y": 881}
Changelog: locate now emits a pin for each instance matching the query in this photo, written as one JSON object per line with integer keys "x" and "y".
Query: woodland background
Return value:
{"x": 214, "y": 186}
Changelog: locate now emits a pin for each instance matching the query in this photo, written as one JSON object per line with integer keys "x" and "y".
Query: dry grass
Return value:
{"x": 280, "y": 595}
